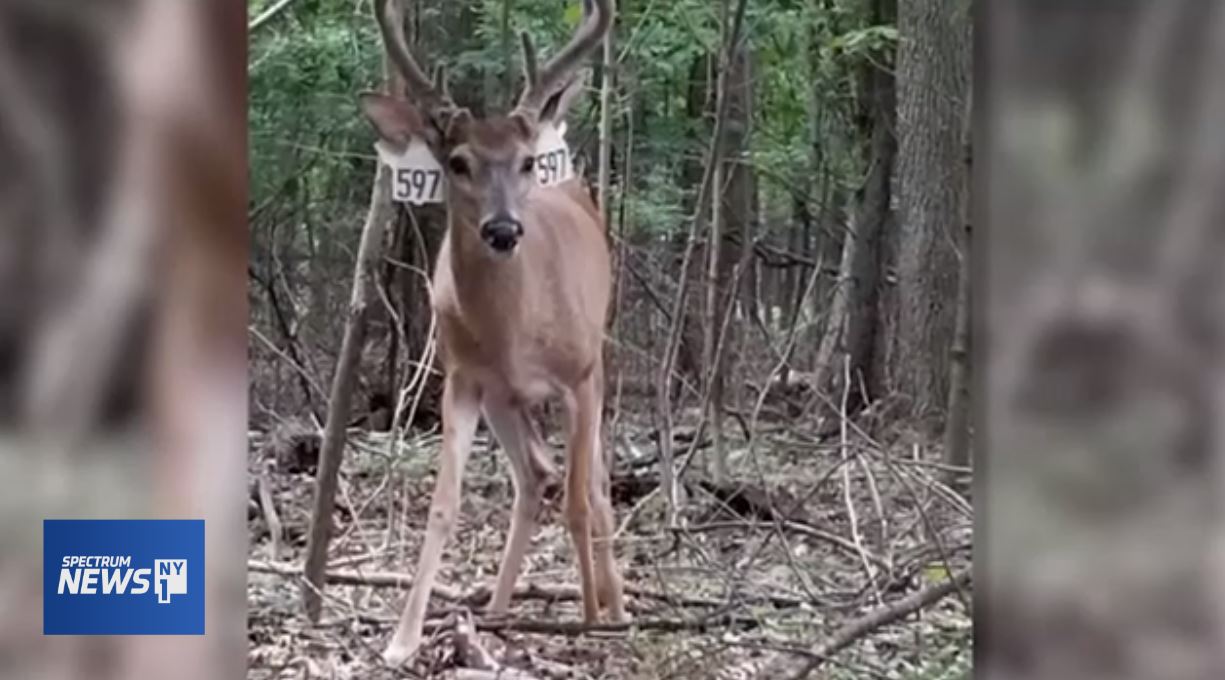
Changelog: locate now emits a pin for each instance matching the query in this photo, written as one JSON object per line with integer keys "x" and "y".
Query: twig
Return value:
{"x": 882, "y": 526}
{"x": 846, "y": 482}
{"x": 799, "y": 528}
{"x": 420, "y": 378}
{"x": 270, "y": 515}
{"x": 268, "y": 15}
{"x": 932, "y": 531}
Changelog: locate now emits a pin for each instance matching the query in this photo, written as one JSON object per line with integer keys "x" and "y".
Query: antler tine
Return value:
{"x": 531, "y": 73}
{"x": 432, "y": 97}
{"x": 545, "y": 81}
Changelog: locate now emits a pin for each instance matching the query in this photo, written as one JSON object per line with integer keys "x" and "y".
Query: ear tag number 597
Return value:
{"x": 553, "y": 164}
{"x": 416, "y": 177}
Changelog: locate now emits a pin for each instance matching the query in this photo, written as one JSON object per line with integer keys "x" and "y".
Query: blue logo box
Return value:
{"x": 123, "y": 577}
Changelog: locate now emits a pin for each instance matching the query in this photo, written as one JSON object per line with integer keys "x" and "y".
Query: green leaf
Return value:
{"x": 574, "y": 14}
{"x": 936, "y": 573}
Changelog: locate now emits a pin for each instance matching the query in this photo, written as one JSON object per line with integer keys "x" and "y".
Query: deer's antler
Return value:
{"x": 544, "y": 82}
{"x": 431, "y": 96}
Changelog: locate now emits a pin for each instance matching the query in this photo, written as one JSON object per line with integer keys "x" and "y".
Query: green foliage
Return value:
{"x": 311, "y": 150}
{"x": 870, "y": 41}
{"x": 306, "y": 136}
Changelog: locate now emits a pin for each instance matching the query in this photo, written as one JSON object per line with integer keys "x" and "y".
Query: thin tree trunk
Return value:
{"x": 957, "y": 429}
{"x": 606, "y": 133}
{"x": 369, "y": 254}
{"x": 380, "y": 218}
{"x": 508, "y": 78}
{"x": 714, "y": 245}
{"x": 663, "y": 388}
{"x": 701, "y": 103}
{"x": 731, "y": 213}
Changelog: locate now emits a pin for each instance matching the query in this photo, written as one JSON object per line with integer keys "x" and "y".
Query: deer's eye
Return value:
{"x": 529, "y": 164}
{"x": 459, "y": 166}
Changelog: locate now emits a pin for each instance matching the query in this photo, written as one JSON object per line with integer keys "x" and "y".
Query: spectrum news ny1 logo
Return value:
{"x": 123, "y": 577}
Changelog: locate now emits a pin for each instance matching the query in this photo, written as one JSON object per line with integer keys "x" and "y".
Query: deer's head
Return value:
{"x": 489, "y": 162}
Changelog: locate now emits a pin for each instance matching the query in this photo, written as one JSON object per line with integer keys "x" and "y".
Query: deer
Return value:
{"x": 520, "y": 291}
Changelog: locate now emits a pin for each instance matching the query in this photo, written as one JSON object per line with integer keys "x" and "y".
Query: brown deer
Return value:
{"x": 521, "y": 291}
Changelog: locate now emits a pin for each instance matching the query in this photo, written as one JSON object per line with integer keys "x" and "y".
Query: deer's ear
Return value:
{"x": 557, "y": 106}
{"x": 396, "y": 120}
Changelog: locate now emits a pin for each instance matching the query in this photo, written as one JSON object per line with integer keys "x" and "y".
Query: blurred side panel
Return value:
{"x": 123, "y": 307}
{"x": 1103, "y": 198}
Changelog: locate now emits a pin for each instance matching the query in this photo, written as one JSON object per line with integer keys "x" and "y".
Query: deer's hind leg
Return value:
{"x": 522, "y": 445}
{"x": 588, "y": 509}
{"x": 609, "y": 587}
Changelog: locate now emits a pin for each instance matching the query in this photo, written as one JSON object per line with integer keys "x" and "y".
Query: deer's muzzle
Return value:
{"x": 502, "y": 233}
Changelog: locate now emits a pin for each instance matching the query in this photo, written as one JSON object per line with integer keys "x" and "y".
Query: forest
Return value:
{"x": 785, "y": 189}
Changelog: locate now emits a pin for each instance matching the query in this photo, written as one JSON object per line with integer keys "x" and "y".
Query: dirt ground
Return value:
{"x": 800, "y": 557}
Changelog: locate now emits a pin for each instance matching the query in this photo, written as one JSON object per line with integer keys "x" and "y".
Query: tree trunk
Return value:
{"x": 852, "y": 328}
{"x": 933, "y": 64}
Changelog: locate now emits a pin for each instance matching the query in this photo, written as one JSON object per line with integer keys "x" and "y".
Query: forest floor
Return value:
{"x": 804, "y": 559}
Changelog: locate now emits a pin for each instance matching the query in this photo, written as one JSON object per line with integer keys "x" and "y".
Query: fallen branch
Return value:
{"x": 480, "y": 595}
{"x": 435, "y": 626}
{"x": 579, "y": 628}
{"x": 850, "y": 633}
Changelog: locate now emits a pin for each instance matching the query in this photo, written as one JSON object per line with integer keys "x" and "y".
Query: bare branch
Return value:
{"x": 267, "y": 16}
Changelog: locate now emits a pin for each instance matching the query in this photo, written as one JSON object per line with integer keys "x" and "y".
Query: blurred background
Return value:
{"x": 122, "y": 305}
{"x": 1099, "y": 294}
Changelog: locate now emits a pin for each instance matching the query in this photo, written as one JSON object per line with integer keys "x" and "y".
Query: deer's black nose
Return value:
{"x": 502, "y": 233}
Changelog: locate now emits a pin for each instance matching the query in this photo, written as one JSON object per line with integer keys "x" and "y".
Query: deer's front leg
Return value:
{"x": 584, "y": 410}
{"x": 460, "y": 412}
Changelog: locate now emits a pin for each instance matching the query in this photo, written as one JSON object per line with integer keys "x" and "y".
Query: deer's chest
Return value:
{"x": 529, "y": 362}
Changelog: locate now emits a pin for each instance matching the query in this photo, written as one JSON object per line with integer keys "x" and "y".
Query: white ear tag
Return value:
{"x": 553, "y": 164}
{"x": 416, "y": 178}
